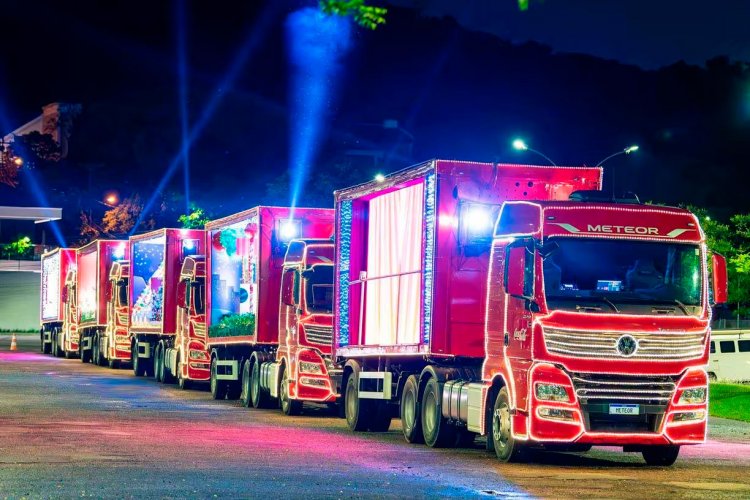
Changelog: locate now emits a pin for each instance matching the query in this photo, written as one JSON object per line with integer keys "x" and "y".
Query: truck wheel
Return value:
{"x": 506, "y": 447}
{"x": 258, "y": 397}
{"x": 139, "y": 367}
{"x": 661, "y": 455}
{"x": 288, "y": 405}
{"x": 158, "y": 370}
{"x": 218, "y": 387}
{"x": 42, "y": 344}
{"x": 166, "y": 374}
{"x": 99, "y": 357}
{"x": 411, "y": 420}
{"x": 358, "y": 411}
{"x": 55, "y": 348}
{"x": 182, "y": 382}
{"x": 438, "y": 433}
{"x": 245, "y": 384}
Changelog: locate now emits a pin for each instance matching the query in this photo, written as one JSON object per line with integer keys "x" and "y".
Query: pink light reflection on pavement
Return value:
{"x": 22, "y": 357}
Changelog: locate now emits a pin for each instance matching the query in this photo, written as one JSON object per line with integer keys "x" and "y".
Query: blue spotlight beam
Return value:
{"x": 316, "y": 44}
{"x": 256, "y": 36}
{"x": 183, "y": 91}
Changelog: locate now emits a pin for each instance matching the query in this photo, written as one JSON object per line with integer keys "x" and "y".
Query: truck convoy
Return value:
{"x": 93, "y": 264}
{"x": 55, "y": 267}
{"x": 511, "y": 302}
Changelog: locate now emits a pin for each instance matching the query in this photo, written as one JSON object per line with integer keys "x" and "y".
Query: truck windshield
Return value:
{"x": 319, "y": 289}
{"x": 623, "y": 276}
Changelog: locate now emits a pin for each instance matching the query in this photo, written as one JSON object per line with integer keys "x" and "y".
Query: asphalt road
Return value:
{"x": 73, "y": 430}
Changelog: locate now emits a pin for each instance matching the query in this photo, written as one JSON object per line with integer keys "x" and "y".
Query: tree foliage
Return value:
{"x": 196, "y": 219}
{"x": 732, "y": 240}
{"x": 367, "y": 16}
{"x": 18, "y": 249}
{"x": 117, "y": 222}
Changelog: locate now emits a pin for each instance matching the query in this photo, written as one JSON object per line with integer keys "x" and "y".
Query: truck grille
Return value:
{"x": 317, "y": 334}
{"x": 596, "y": 392}
{"x": 650, "y": 345}
{"x": 598, "y": 388}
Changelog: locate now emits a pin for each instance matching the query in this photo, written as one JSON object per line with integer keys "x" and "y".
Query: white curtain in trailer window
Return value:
{"x": 394, "y": 267}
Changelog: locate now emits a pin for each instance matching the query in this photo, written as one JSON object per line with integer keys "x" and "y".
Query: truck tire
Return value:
{"x": 438, "y": 433}
{"x": 98, "y": 355}
{"x": 663, "y": 456}
{"x": 258, "y": 397}
{"x": 182, "y": 382}
{"x": 245, "y": 384}
{"x": 55, "y": 346}
{"x": 506, "y": 447}
{"x": 288, "y": 405}
{"x": 158, "y": 364}
{"x": 44, "y": 346}
{"x": 218, "y": 387}
{"x": 411, "y": 418}
{"x": 139, "y": 367}
{"x": 167, "y": 376}
{"x": 358, "y": 411}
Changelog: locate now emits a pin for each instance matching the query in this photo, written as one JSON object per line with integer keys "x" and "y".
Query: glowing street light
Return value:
{"x": 379, "y": 178}
{"x": 18, "y": 161}
{"x": 626, "y": 151}
{"x": 520, "y": 145}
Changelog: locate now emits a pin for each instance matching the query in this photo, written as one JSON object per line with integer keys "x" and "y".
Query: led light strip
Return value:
{"x": 345, "y": 238}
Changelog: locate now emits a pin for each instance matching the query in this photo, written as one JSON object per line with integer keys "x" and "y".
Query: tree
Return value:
{"x": 196, "y": 219}
{"x": 18, "y": 249}
{"x": 10, "y": 164}
{"x": 117, "y": 222}
{"x": 367, "y": 16}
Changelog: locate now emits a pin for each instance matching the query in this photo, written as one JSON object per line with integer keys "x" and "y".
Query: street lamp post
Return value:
{"x": 520, "y": 145}
{"x": 626, "y": 151}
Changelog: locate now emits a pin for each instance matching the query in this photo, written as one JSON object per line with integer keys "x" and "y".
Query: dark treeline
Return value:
{"x": 455, "y": 94}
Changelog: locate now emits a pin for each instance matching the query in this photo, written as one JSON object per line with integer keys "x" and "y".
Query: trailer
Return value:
{"x": 506, "y": 301}
{"x": 155, "y": 262}
{"x": 93, "y": 263}
{"x": 55, "y": 267}
{"x": 243, "y": 274}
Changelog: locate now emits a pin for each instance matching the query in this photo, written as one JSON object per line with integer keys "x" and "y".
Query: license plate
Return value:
{"x": 623, "y": 410}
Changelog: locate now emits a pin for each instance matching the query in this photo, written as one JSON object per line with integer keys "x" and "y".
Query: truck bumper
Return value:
{"x": 595, "y": 420}
{"x": 198, "y": 371}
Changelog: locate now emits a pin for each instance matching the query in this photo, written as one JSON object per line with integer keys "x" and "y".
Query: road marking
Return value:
{"x": 711, "y": 486}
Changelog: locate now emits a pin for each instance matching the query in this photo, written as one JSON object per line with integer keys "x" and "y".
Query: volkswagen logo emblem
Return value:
{"x": 626, "y": 345}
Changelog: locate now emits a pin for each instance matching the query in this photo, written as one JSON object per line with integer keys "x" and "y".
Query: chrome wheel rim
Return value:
{"x": 501, "y": 425}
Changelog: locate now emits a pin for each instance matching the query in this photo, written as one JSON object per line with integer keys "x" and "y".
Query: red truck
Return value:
{"x": 155, "y": 262}
{"x": 93, "y": 263}
{"x": 55, "y": 267}
{"x": 565, "y": 324}
{"x": 241, "y": 280}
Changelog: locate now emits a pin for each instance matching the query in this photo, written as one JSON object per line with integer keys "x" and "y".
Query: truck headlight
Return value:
{"x": 556, "y": 414}
{"x": 552, "y": 392}
{"x": 687, "y": 416}
{"x": 695, "y": 395}
{"x": 307, "y": 367}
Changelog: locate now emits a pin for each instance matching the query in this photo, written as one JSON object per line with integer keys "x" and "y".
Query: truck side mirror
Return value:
{"x": 182, "y": 294}
{"x": 64, "y": 296}
{"x": 719, "y": 275}
{"x": 287, "y": 287}
{"x": 519, "y": 270}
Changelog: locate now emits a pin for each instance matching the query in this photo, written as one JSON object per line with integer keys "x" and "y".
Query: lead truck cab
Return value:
{"x": 598, "y": 328}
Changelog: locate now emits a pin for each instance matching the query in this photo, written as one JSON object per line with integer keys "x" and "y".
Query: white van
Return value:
{"x": 730, "y": 356}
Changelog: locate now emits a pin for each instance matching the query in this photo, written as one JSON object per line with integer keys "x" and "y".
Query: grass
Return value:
{"x": 729, "y": 401}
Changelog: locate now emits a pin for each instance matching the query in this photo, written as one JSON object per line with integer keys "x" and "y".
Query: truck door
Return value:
{"x": 290, "y": 302}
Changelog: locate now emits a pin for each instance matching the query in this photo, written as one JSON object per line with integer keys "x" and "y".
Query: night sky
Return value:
{"x": 577, "y": 79}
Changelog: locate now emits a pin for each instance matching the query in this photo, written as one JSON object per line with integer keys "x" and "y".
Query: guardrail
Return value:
{"x": 34, "y": 266}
